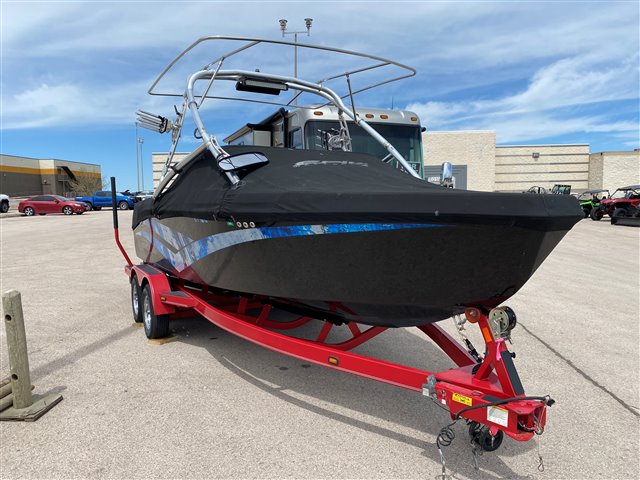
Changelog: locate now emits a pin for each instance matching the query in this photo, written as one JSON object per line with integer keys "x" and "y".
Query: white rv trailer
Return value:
{"x": 311, "y": 127}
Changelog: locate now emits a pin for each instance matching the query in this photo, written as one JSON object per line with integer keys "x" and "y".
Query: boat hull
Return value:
{"x": 389, "y": 274}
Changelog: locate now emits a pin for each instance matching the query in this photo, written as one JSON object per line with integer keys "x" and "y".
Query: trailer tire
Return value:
{"x": 136, "y": 300}
{"x": 155, "y": 326}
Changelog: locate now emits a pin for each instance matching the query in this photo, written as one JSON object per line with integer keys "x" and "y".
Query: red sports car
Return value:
{"x": 44, "y": 204}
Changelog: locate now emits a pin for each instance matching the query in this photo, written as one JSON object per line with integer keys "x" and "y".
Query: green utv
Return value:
{"x": 591, "y": 199}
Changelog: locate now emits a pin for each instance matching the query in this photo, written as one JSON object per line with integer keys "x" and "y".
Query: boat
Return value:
{"x": 332, "y": 232}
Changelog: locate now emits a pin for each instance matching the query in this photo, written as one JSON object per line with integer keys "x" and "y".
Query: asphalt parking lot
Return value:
{"x": 210, "y": 405}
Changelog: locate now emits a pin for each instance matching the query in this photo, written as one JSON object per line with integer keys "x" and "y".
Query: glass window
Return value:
{"x": 103, "y": 194}
{"x": 295, "y": 138}
{"x": 47, "y": 199}
{"x": 37, "y": 199}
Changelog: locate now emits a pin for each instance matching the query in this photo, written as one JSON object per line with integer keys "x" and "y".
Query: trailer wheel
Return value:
{"x": 155, "y": 326}
{"x": 483, "y": 439}
{"x": 136, "y": 300}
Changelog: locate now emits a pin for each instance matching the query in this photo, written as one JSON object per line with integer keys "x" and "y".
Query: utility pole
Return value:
{"x": 283, "y": 28}
{"x": 137, "y": 158}
{"x": 141, "y": 141}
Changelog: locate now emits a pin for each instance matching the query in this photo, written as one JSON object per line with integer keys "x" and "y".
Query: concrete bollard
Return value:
{"x": 17, "y": 346}
{"x": 26, "y": 407}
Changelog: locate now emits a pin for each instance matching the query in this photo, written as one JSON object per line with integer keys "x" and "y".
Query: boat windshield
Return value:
{"x": 405, "y": 138}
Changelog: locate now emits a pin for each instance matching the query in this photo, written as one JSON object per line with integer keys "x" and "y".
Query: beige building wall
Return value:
{"x": 596, "y": 162}
{"x": 520, "y": 167}
{"x": 158, "y": 160}
{"x": 611, "y": 170}
{"x": 476, "y": 149}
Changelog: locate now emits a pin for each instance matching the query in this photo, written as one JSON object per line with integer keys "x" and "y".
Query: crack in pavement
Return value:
{"x": 584, "y": 374}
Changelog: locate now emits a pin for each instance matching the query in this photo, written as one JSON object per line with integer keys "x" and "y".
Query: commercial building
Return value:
{"x": 158, "y": 160}
{"x": 480, "y": 164}
{"x": 24, "y": 176}
{"x": 614, "y": 169}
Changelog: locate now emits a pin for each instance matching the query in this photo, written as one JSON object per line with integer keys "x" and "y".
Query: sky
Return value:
{"x": 73, "y": 74}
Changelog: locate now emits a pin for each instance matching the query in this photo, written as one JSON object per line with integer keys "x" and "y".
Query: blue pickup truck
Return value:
{"x": 102, "y": 198}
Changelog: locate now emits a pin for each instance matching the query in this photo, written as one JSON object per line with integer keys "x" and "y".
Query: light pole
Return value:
{"x": 141, "y": 141}
{"x": 137, "y": 158}
{"x": 283, "y": 28}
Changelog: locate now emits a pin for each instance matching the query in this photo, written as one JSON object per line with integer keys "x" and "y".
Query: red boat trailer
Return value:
{"x": 483, "y": 390}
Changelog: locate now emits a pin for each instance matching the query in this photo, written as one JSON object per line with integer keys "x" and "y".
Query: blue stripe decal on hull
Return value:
{"x": 189, "y": 251}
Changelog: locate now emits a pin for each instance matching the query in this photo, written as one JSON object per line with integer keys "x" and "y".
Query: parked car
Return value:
{"x": 143, "y": 195}
{"x": 591, "y": 199}
{"x": 43, "y": 204}
{"x": 622, "y": 203}
{"x": 4, "y": 203}
{"x": 102, "y": 198}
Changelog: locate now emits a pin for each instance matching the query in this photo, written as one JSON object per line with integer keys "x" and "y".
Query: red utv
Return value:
{"x": 624, "y": 202}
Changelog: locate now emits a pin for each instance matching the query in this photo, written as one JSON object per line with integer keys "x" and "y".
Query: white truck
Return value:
{"x": 4, "y": 203}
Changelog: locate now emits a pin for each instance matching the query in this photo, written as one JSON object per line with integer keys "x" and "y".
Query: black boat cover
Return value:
{"x": 316, "y": 185}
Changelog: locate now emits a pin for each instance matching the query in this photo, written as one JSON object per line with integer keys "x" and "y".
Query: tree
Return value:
{"x": 86, "y": 184}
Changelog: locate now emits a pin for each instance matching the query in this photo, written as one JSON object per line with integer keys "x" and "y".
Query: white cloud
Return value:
{"x": 67, "y": 63}
{"x": 67, "y": 104}
{"x": 539, "y": 111}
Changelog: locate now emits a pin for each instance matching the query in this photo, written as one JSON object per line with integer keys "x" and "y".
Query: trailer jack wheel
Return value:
{"x": 155, "y": 326}
{"x": 481, "y": 437}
